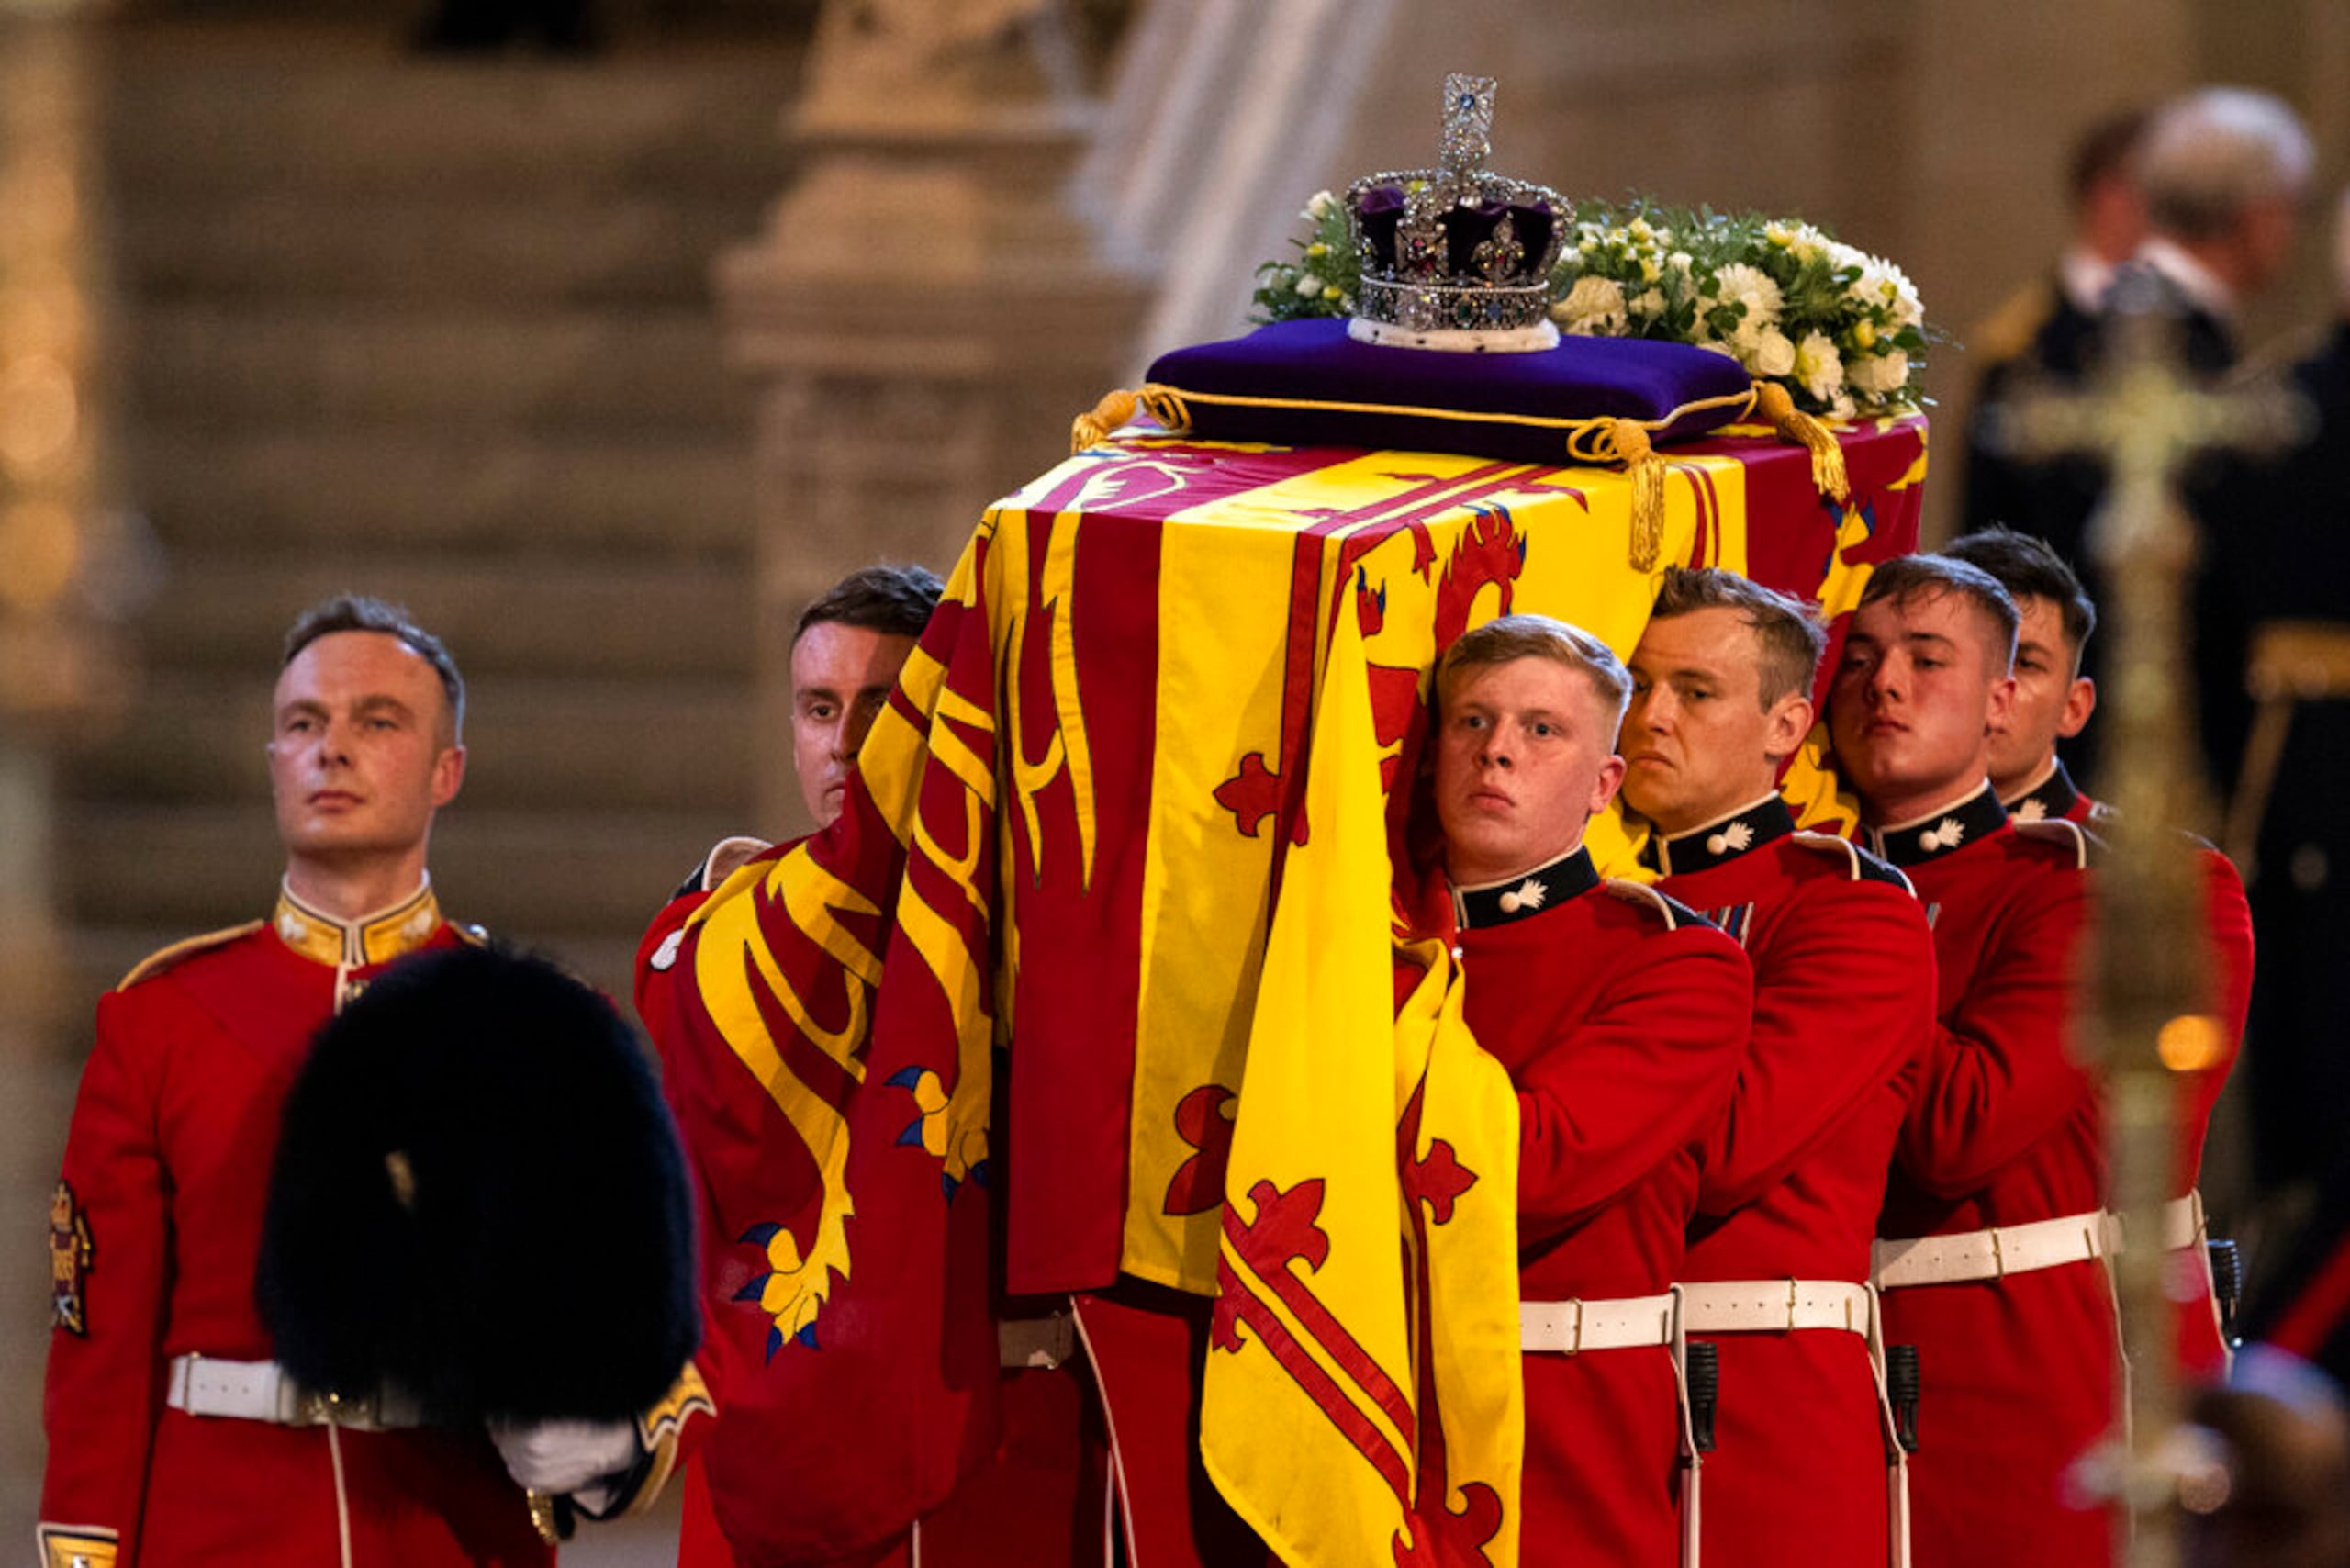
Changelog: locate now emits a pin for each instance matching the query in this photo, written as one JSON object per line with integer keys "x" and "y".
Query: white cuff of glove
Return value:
{"x": 560, "y": 1457}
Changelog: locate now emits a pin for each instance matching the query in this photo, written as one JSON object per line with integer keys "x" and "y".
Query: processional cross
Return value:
{"x": 2141, "y": 1022}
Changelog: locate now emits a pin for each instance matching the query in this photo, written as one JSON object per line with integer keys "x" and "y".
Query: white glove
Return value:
{"x": 560, "y": 1457}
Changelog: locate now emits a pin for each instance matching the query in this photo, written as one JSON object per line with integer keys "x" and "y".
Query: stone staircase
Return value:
{"x": 440, "y": 332}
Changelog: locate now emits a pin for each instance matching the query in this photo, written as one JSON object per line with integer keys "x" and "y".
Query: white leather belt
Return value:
{"x": 2183, "y": 1224}
{"x": 263, "y": 1391}
{"x": 1044, "y": 1342}
{"x": 1991, "y": 1254}
{"x": 1571, "y": 1327}
{"x": 2006, "y": 1249}
{"x": 1756, "y": 1307}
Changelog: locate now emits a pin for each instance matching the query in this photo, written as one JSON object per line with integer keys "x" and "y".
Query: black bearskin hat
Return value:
{"x": 479, "y": 1199}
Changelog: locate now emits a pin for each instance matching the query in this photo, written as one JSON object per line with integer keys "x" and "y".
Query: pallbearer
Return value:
{"x": 2053, "y": 700}
{"x": 1792, "y": 1176}
{"x": 1994, "y": 1214}
{"x": 1620, "y": 1016}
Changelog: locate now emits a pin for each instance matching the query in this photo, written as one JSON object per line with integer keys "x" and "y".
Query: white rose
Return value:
{"x": 1880, "y": 375}
{"x": 1308, "y": 284}
{"x": 1819, "y": 366}
{"x": 1678, "y": 261}
{"x": 1317, "y": 207}
{"x": 1772, "y": 354}
{"x": 1593, "y": 308}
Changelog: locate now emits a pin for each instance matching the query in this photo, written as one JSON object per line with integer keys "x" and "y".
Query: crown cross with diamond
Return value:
{"x": 1468, "y": 122}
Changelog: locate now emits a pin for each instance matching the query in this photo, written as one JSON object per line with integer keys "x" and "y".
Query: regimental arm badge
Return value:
{"x": 76, "y": 1546}
{"x": 70, "y": 1252}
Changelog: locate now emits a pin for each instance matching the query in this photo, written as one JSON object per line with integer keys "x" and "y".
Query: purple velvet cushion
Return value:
{"x": 1407, "y": 398}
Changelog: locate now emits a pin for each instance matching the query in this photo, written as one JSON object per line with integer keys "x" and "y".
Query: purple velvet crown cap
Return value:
{"x": 1378, "y": 213}
{"x": 1405, "y": 399}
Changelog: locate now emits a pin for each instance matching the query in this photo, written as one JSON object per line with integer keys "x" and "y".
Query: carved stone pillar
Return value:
{"x": 923, "y": 317}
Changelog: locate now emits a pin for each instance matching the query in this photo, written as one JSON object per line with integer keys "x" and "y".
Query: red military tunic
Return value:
{"x": 2226, "y": 918}
{"x": 1037, "y": 1499}
{"x": 2017, "y": 1373}
{"x": 1621, "y": 1018}
{"x": 166, "y": 1178}
{"x": 1794, "y": 1175}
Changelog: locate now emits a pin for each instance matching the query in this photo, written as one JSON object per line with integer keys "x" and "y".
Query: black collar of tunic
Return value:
{"x": 1720, "y": 841}
{"x": 1938, "y": 834}
{"x": 2052, "y": 800}
{"x": 1524, "y": 896}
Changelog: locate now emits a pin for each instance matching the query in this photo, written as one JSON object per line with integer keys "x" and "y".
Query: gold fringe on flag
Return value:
{"x": 1777, "y": 407}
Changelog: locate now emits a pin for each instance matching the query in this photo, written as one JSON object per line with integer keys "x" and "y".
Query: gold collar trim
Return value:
{"x": 376, "y": 938}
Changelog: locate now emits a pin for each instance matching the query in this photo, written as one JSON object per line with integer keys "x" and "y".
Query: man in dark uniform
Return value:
{"x": 174, "y": 1437}
{"x": 2053, "y": 699}
{"x": 2224, "y": 171}
{"x": 1777, "y": 1272}
{"x": 1621, "y": 1016}
{"x": 1994, "y": 1214}
{"x": 2281, "y": 580}
{"x": 2059, "y": 307}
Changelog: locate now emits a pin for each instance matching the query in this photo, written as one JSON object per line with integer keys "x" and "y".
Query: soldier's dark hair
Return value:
{"x": 2030, "y": 568}
{"x": 891, "y": 598}
{"x": 363, "y": 612}
{"x": 1906, "y": 578}
{"x": 1508, "y": 638}
{"x": 1789, "y": 638}
{"x": 2107, "y": 149}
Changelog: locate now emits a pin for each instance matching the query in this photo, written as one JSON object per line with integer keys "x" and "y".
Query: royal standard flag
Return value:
{"x": 825, "y": 1019}
{"x": 1362, "y": 1398}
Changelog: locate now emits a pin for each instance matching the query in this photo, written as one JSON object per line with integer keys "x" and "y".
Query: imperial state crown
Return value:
{"x": 1456, "y": 249}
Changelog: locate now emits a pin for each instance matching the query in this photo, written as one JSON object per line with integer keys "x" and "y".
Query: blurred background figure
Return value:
{"x": 2285, "y": 1440}
{"x": 2280, "y": 731}
{"x": 2224, "y": 174}
{"x": 2109, "y": 213}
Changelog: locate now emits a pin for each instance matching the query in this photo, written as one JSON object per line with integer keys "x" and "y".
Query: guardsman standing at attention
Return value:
{"x": 1621, "y": 1016}
{"x": 1777, "y": 1272}
{"x": 1995, "y": 1210}
{"x": 2053, "y": 700}
{"x": 174, "y": 1436}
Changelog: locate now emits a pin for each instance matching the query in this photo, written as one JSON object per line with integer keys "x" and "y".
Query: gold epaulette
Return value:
{"x": 163, "y": 959}
{"x": 2008, "y": 331}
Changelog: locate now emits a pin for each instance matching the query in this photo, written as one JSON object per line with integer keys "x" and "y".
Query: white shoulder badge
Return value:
{"x": 1647, "y": 897}
{"x": 163, "y": 959}
{"x": 1837, "y": 848}
{"x": 1859, "y": 864}
{"x": 727, "y": 856}
{"x": 2064, "y": 834}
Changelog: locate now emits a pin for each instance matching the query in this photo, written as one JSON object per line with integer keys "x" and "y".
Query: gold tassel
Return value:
{"x": 1777, "y": 406}
{"x": 1645, "y": 469}
{"x": 1092, "y": 429}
